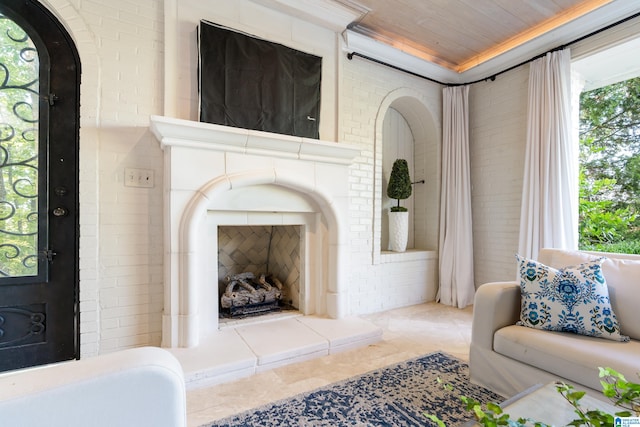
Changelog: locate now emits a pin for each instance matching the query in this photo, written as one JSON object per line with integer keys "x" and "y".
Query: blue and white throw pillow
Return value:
{"x": 571, "y": 299}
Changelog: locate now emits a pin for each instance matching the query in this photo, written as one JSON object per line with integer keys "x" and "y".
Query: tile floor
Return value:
{"x": 408, "y": 332}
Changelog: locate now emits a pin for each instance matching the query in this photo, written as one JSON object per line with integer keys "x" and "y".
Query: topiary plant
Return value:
{"x": 399, "y": 184}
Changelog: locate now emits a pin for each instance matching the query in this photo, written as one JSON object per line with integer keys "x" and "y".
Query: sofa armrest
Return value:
{"x": 496, "y": 305}
{"x": 135, "y": 387}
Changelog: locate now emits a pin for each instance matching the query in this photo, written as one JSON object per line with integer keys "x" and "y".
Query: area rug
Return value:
{"x": 398, "y": 395}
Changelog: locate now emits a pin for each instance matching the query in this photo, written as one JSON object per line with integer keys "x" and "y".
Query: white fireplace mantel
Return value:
{"x": 210, "y": 170}
{"x": 206, "y": 136}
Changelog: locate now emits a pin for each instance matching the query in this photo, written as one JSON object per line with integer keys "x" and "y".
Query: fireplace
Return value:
{"x": 218, "y": 177}
{"x": 259, "y": 269}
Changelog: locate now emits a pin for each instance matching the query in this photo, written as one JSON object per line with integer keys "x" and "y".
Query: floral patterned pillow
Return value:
{"x": 571, "y": 299}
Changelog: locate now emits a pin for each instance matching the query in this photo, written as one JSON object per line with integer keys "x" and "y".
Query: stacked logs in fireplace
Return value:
{"x": 247, "y": 295}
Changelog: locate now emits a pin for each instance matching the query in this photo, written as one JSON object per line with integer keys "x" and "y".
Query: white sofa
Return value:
{"x": 137, "y": 387}
{"x": 508, "y": 359}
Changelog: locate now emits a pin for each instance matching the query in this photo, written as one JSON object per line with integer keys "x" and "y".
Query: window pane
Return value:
{"x": 19, "y": 68}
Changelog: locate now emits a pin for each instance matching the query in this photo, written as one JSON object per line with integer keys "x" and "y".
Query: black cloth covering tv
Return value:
{"x": 252, "y": 83}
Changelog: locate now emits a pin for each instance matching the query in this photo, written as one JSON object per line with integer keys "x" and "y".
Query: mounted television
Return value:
{"x": 251, "y": 83}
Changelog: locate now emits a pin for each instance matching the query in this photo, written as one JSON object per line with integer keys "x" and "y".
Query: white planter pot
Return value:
{"x": 398, "y": 231}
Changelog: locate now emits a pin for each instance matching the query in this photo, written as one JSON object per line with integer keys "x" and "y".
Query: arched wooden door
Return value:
{"x": 39, "y": 131}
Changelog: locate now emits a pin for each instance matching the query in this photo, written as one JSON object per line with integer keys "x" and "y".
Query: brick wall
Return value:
{"x": 497, "y": 133}
{"x": 121, "y": 292}
{"x": 382, "y": 282}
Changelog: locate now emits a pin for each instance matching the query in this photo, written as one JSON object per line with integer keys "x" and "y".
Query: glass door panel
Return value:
{"x": 20, "y": 245}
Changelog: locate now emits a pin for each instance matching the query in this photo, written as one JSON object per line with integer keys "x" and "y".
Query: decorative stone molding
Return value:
{"x": 211, "y": 171}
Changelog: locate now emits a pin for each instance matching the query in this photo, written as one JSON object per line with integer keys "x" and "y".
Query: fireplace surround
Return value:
{"x": 222, "y": 176}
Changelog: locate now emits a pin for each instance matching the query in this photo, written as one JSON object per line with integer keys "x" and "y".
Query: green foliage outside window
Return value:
{"x": 610, "y": 168}
{"x": 19, "y": 96}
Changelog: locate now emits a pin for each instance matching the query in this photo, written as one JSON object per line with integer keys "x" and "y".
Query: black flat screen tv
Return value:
{"x": 252, "y": 83}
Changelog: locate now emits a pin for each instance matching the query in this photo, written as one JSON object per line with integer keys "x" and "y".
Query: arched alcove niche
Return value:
{"x": 401, "y": 106}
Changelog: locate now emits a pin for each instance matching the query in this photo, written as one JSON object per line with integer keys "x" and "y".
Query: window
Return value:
{"x": 610, "y": 167}
{"x": 609, "y": 129}
{"x": 19, "y": 113}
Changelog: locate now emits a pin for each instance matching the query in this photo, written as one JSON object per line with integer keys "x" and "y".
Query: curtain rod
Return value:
{"x": 493, "y": 76}
{"x": 395, "y": 67}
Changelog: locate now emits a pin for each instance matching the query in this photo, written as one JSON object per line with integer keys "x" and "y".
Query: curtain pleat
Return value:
{"x": 456, "y": 238}
{"x": 549, "y": 212}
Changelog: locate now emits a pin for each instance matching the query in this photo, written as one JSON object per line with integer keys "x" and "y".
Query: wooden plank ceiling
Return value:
{"x": 460, "y": 34}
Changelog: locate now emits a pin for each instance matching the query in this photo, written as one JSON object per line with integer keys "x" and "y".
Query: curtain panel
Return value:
{"x": 549, "y": 211}
{"x": 457, "y": 286}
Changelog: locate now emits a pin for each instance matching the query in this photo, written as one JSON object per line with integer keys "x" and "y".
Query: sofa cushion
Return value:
{"x": 570, "y": 299}
{"x": 622, "y": 272}
{"x": 571, "y": 356}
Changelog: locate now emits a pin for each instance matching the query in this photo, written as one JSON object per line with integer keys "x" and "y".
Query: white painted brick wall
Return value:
{"x": 497, "y": 129}
{"x": 378, "y": 285}
{"x": 131, "y": 225}
{"x": 121, "y": 292}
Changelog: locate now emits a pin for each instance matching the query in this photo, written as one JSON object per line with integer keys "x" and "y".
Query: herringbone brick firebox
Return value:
{"x": 260, "y": 249}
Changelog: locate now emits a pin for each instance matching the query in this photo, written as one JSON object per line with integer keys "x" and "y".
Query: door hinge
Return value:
{"x": 52, "y": 98}
{"x": 48, "y": 254}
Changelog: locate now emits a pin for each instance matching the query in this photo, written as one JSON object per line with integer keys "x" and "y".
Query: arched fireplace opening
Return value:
{"x": 259, "y": 270}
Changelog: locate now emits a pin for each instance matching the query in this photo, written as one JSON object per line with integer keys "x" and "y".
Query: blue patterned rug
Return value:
{"x": 398, "y": 395}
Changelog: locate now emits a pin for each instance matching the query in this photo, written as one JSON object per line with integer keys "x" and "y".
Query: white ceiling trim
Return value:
{"x": 326, "y": 13}
{"x": 613, "y": 65}
{"x": 356, "y": 42}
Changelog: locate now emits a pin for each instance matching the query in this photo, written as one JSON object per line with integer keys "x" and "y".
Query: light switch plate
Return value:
{"x": 138, "y": 177}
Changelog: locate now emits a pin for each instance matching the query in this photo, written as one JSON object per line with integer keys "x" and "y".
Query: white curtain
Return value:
{"x": 456, "y": 239}
{"x": 549, "y": 213}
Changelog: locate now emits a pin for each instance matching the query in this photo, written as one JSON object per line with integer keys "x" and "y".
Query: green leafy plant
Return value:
{"x": 399, "y": 184}
{"x": 622, "y": 393}
{"x": 585, "y": 418}
{"x": 494, "y": 416}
